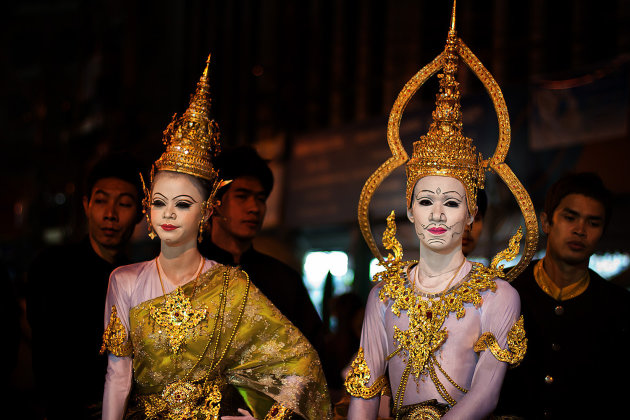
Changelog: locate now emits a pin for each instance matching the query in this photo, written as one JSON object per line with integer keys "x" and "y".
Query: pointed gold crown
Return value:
{"x": 192, "y": 140}
{"x": 444, "y": 150}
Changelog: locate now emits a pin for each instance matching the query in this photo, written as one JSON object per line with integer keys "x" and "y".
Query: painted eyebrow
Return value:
{"x": 445, "y": 192}
{"x": 185, "y": 196}
{"x": 448, "y": 192}
{"x": 176, "y": 197}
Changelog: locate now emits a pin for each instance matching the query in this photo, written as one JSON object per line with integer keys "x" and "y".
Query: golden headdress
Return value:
{"x": 444, "y": 150}
{"x": 192, "y": 140}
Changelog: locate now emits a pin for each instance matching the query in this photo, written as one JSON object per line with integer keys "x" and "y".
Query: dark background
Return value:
{"x": 303, "y": 81}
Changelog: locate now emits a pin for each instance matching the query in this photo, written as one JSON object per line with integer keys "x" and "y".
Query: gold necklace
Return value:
{"x": 176, "y": 315}
{"x": 435, "y": 295}
{"x": 184, "y": 394}
{"x": 157, "y": 266}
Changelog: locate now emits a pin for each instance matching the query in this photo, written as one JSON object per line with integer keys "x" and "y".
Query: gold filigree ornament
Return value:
{"x": 115, "y": 338}
{"x": 201, "y": 398}
{"x": 177, "y": 317}
{"x": 278, "y": 412}
{"x": 359, "y": 375}
{"x": 517, "y": 344}
{"x": 192, "y": 141}
{"x": 444, "y": 150}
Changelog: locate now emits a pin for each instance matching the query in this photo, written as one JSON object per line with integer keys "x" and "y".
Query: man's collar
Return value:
{"x": 214, "y": 252}
{"x": 549, "y": 287}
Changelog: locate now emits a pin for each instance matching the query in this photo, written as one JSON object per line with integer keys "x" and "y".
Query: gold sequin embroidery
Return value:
{"x": 358, "y": 377}
{"x": 278, "y": 412}
{"x": 517, "y": 344}
{"x": 115, "y": 337}
{"x": 177, "y": 316}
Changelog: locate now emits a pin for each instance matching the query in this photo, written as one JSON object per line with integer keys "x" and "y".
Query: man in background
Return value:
{"x": 577, "y": 323}
{"x": 473, "y": 231}
{"x": 66, "y": 294}
{"x": 235, "y": 224}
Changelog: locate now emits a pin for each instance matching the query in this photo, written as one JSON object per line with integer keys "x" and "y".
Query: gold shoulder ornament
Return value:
{"x": 358, "y": 377}
{"x": 115, "y": 337}
{"x": 517, "y": 344}
{"x": 444, "y": 150}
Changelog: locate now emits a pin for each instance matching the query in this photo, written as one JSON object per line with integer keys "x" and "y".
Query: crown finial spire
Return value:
{"x": 453, "y": 17}
{"x": 193, "y": 139}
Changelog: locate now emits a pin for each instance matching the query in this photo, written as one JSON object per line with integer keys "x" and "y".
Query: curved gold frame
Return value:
{"x": 495, "y": 163}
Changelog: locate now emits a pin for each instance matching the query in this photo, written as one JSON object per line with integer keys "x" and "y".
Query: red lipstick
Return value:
{"x": 168, "y": 227}
{"x": 437, "y": 230}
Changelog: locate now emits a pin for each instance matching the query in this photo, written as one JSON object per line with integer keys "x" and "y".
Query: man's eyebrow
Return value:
{"x": 125, "y": 194}
{"x": 578, "y": 214}
{"x": 99, "y": 191}
{"x": 248, "y": 190}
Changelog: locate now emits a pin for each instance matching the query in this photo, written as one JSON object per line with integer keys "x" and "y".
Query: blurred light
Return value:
{"x": 53, "y": 236}
{"x": 316, "y": 266}
{"x": 375, "y": 267}
{"x": 60, "y": 199}
{"x": 608, "y": 265}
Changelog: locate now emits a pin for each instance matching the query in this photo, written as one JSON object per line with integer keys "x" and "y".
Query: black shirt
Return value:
{"x": 577, "y": 357}
{"x": 67, "y": 286}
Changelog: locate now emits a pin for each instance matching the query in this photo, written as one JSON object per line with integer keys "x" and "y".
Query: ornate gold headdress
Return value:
{"x": 192, "y": 139}
{"x": 444, "y": 150}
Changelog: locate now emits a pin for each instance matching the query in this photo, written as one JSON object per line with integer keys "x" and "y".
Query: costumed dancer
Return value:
{"x": 194, "y": 338}
{"x": 441, "y": 330}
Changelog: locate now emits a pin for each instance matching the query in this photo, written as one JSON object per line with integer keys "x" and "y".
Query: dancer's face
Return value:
{"x": 439, "y": 213}
{"x": 176, "y": 208}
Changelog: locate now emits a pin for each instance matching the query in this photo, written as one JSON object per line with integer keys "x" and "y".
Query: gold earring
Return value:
{"x": 146, "y": 207}
{"x": 152, "y": 233}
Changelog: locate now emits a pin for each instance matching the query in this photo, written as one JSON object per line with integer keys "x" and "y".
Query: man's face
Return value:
{"x": 439, "y": 212}
{"x": 472, "y": 234}
{"x": 111, "y": 212}
{"x": 575, "y": 228}
{"x": 242, "y": 209}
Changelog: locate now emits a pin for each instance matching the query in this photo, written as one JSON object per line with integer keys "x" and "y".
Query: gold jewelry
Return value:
{"x": 517, "y": 344}
{"x": 435, "y": 295}
{"x": 192, "y": 139}
{"x": 176, "y": 315}
{"x": 181, "y": 399}
{"x": 146, "y": 206}
{"x": 426, "y": 333}
{"x": 444, "y": 151}
{"x": 204, "y": 220}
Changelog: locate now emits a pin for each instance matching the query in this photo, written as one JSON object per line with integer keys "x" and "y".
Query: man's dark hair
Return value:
{"x": 118, "y": 166}
{"x": 243, "y": 161}
{"x": 588, "y": 184}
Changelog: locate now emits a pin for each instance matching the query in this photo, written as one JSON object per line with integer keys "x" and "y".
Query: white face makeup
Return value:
{"x": 176, "y": 202}
{"x": 439, "y": 212}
